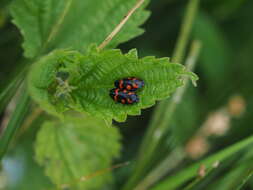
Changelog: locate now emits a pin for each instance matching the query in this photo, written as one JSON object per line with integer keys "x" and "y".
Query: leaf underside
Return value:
{"x": 92, "y": 75}
{"x": 76, "y": 149}
{"x": 49, "y": 24}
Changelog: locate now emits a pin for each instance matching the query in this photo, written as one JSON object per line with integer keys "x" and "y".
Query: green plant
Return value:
{"x": 64, "y": 116}
{"x": 90, "y": 72}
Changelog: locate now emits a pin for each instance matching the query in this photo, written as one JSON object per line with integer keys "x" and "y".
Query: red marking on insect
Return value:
{"x": 128, "y": 87}
{"x": 123, "y": 96}
{"x": 129, "y": 101}
{"x": 115, "y": 98}
{"x": 130, "y": 83}
{"x": 121, "y": 84}
{"x": 135, "y": 85}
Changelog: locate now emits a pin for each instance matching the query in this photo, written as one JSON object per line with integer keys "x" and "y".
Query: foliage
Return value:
{"x": 209, "y": 162}
{"x": 76, "y": 148}
{"x": 51, "y": 24}
{"x": 73, "y": 144}
{"x": 92, "y": 75}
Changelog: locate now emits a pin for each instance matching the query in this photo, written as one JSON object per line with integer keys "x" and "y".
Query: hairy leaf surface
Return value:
{"x": 91, "y": 76}
{"x": 49, "y": 24}
{"x": 77, "y": 148}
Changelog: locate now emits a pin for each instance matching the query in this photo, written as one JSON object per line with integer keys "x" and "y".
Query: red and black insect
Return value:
{"x": 130, "y": 83}
{"x": 123, "y": 96}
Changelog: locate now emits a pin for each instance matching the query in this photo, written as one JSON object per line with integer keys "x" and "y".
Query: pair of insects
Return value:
{"x": 124, "y": 92}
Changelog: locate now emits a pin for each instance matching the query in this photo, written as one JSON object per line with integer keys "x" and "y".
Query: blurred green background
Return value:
{"x": 223, "y": 95}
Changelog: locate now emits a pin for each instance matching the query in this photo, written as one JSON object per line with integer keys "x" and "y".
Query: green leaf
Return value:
{"x": 7, "y": 93}
{"x": 19, "y": 164}
{"x": 214, "y": 43}
{"x": 49, "y": 24}
{"x": 237, "y": 175}
{"x": 232, "y": 178}
{"x": 10, "y": 87}
{"x": 227, "y": 8}
{"x": 183, "y": 129}
{"x": 15, "y": 121}
{"x": 245, "y": 180}
{"x": 76, "y": 148}
{"x": 91, "y": 76}
{"x": 192, "y": 171}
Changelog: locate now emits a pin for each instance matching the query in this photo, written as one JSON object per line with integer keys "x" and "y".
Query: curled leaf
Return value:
{"x": 91, "y": 77}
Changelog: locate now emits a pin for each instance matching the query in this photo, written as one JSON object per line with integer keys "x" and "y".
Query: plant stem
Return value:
{"x": 8, "y": 92}
{"x": 121, "y": 24}
{"x": 165, "y": 108}
{"x": 33, "y": 115}
{"x": 177, "y": 155}
{"x": 168, "y": 164}
{"x": 198, "y": 179}
{"x": 245, "y": 180}
{"x": 15, "y": 121}
{"x": 163, "y": 112}
{"x": 191, "y": 11}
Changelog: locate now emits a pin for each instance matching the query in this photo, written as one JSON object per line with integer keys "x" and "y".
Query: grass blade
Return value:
{"x": 190, "y": 172}
{"x": 15, "y": 121}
